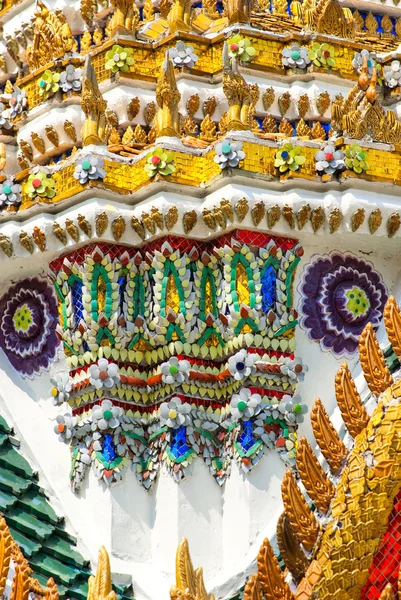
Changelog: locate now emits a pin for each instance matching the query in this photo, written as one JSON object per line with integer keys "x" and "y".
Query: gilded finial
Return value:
{"x": 270, "y": 576}
{"x": 95, "y": 127}
{"x": 100, "y": 585}
{"x": 333, "y": 449}
{"x": 188, "y": 581}
{"x": 349, "y": 402}
{"x": 302, "y": 519}
{"x": 374, "y": 366}
{"x": 237, "y": 92}
{"x": 317, "y": 485}
{"x": 167, "y": 97}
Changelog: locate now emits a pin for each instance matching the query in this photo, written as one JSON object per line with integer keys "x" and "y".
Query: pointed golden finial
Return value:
{"x": 290, "y": 548}
{"x": 372, "y": 361}
{"x": 270, "y": 576}
{"x": 252, "y": 590}
{"x": 302, "y": 519}
{"x": 387, "y": 593}
{"x": 333, "y": 449}
{"x": 392, "y": 321}
{"x": 238, "y": 11}
{"x": 363, "y": 79}
{"x": 100, "y": 585}
{"x": 371, "y": 93}
{"x": 349, "y": 402}
{"x": 237, "y": 92}
{"x": 167, "y": 97}
{"x": 95, "y": 128}
{"x": 188, "y": 581}
{"x": 317, "y": 485}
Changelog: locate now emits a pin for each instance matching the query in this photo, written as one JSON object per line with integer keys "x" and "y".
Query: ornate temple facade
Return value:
{"x": 200, "y": 331}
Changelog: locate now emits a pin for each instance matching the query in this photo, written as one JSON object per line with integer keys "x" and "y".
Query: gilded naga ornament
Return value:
{"x": 95, "y": 128}
{"x": 100, "y": 585}
{"x": 167, "y": 97}
{"x": 52, "y": 37}
{"x": 238, "y": 94}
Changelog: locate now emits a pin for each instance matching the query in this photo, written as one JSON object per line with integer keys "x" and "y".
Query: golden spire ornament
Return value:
{"x": 95, "y": 127}
{"x": 100, "y": 585}
{"x": 167, "y": 97}
{"x": 237, "y": 92}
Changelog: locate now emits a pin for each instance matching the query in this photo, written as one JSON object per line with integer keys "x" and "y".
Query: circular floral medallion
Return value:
{"x": 340, "y": 294}
{"x": 28, "y": 319}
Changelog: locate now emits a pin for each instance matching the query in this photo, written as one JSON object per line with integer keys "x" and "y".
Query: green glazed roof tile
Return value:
{"x": 10, "y": 482}
{"x": 51, "y": 567}
{"x": 28, "y": 524}
{"x": 10, "y": 458}
{"x": 61, "y": 549}
{"x": 38, "y": 505}
{"x": 28, "y": 546}
{"x": 4, "y": 427}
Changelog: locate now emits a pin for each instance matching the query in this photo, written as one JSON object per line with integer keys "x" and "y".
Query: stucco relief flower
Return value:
{"x": 40, "y": 184}
{"x": 71, "y": 79}
{"x": 295, "y": 56}
{"x": 340, "y": 294}
{"x": 245, "y": 404}
{"x": 392, "y": 74}
{"x": 356, "y": 158}
{"x": 241, "y": 48}
{"x": 104, "y": 374}
{"x": 289, "y": 158}
{"x": 106, "y": 416}
{"x": 242, "y": 365}
{"x": 159, "y": 161}
{"x": 228, "y": 153}
{"x": 10, "y": 194}
{"x": 329, "y": 160}
{"x": 18, "y": 102}
{"x": 61, "y": 388}
{"x": 175, "y": 371}
{"x": 119, "y": 59}
{"x": 48, "y": 83}
{"x": 65, "y": 427}
{"x": 183, "y": 55}
{"x": 174, "y": 413}
{"x": 89, "y": 167}
{"x": 322, "y": 55}
{"x": 28, "y": 320}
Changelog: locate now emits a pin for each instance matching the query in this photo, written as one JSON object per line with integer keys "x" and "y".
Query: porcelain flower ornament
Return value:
{"x": 175, "y": 371}
{"x": 104, "y": 374}
{"x": 174, "y": 413}
{"x": 245, "y": 404}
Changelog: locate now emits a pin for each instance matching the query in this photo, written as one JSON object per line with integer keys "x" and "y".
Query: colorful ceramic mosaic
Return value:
{"x": 340, "y": 294}
{"x": 28, "y": 319}
{"x": 180, "y": 349}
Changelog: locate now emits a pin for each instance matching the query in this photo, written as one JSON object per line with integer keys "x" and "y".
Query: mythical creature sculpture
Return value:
{"x": 52, "y": 37}
{"x": 95, "y": 128}
{"x": 125, "y": 17}
{"x": 167, "y": 97}
{"x": 238, "y": 94}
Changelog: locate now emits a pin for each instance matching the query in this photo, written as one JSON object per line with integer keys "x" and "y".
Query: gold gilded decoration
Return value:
{"x": 189, "y": 584}
{"x": 171, "y": 217}
{"x": 303, "y": 130}
{"x": 241, "y": 209}
{"x": 39, "y": 238}
{"x": 269, "y": 124}
{"x": 357, "y": 219}
{"x": 290, "y": 548}
{"x": 88, "y": 10}
{"x": 286, "y": 128}
{"x": 26, "y": 149}
{"x": 128, "y": 136}
{"x": 270, "y": 575}
{"x": 349, "y": 402}
{"x": 168, "y": 97}
{"x": 118, "y": 228}
{"x": 303, "y": 216}
{"x": 318, "y": 132}
{"x": 52, "y": 135}
{"x": 335, "y": 219}
{"x": 193, "y": 104}
{"x": 268, "y": 98}
{"x": 157, "y": 217}
{"x": 393, "y": 224}
{"x": 237, "y": 92}
{"x": 179, "y": 16}
{"x": 317, "y": 485}
{"x": 140, "y": 135}
{"x": 227, "y": 210}
{"x": 208, "y": 130}
{"x": 238, "y": 11}
{"x": 95, "y": 127}
{"x": 289, "y": 215}
{"x": 258, "y": 212}
{"x": 322, "y": 102}
{"x": 387, "y": 593}
{"x": 52, "y": 37}
{"x": 372, "y": 361}
{"x": 70, "y": 130}
{"x": 125, "y": 17}
{"x": 328, "y": 17}
{"x": 59, "y": 233}
{"x": 209, "y": 219}
{"x": 26, "y": 241}
{"x": 252, "y": 590}
{"x": 392, "y": 320}
{"x": 72, "y": 230}
{"x": 138, "y": 227}
{"x": 189, "y": 221}
{"x": 333, "y": 449}
{"x": 375, "y": 220}
{"x": 209, "y": 106}
{"x": 38, "y": 142}
{"x": 101, "y": 223}
{"x": 5, "y": 553}
{"x": 100, "y": 586}
{"x": 273, "y": 215}
{"x": 84, "y": 225}
{"x": 303, "y": 105}
{"x": 149, "y": 223}
{"x": 284, "y": 103}
{"x": 133, "y": 108}
{"x": 6, "y": 245}
{"x": 302, "y": 519}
